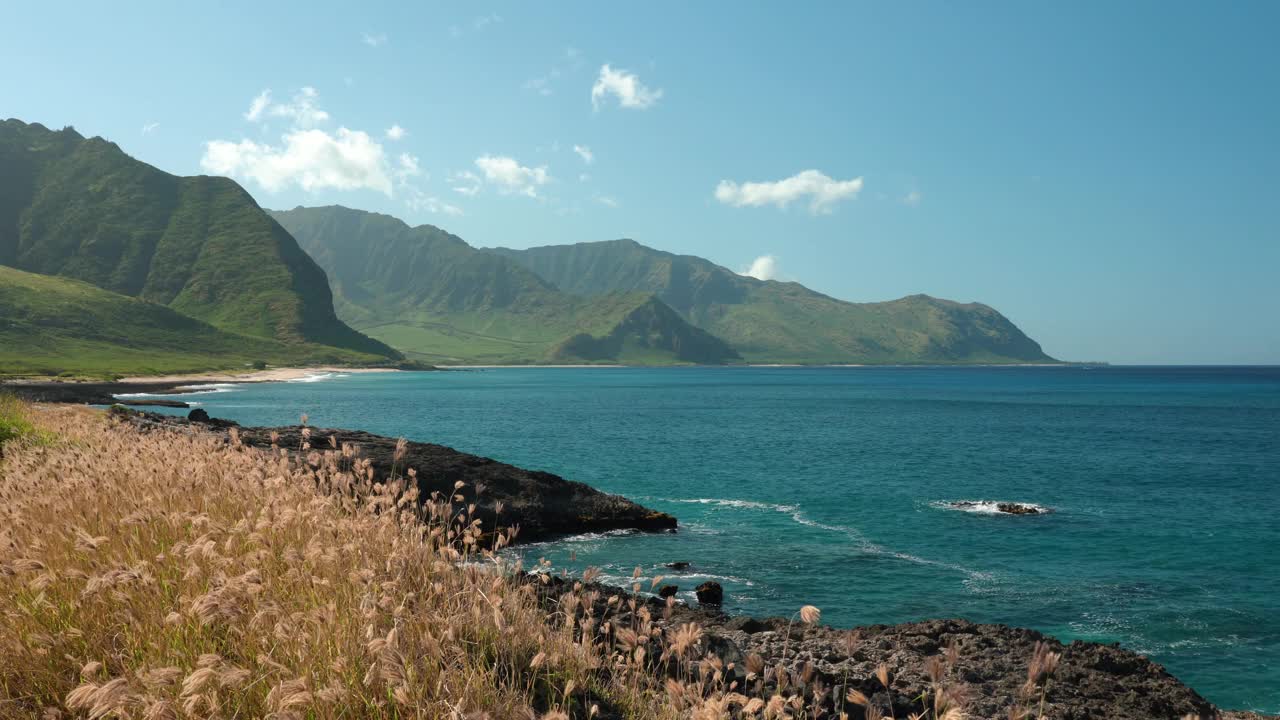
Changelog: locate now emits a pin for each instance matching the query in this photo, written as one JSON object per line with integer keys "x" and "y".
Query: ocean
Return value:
{"x": 832, "y": 487}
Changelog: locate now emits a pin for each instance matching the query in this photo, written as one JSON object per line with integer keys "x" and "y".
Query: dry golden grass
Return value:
{"x": 162, "y": 575}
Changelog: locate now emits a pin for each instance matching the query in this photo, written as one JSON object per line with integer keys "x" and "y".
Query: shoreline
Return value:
{"x": 105, "y": 392}
{"x": 1094, "y": 679}
{"x": 283, "y": 374}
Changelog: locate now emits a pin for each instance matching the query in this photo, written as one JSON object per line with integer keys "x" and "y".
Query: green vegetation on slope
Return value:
{"x": 785, "y": 322}
{"x": 81, "y": 208}
{"x": 51, "y": 325}
{"x": 436, "y": 298}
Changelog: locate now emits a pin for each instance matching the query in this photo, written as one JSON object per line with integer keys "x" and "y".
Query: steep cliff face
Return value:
{"x": 81, "y": 208}
{"x": 432, "y": 295}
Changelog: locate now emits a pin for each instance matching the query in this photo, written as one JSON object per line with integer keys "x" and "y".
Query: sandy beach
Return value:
{"x": 271, "y": 375}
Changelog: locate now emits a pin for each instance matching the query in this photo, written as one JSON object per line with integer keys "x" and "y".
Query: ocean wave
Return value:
{"x": 710, "y": 576}
{"x": 987, "y": 507}
{"x": 185, "y": 390}
{"x": 741, "y": 504}
{"x": 797, "y": 515}
{"x": 578, "y": 539}
{"x": 314, "y": 377}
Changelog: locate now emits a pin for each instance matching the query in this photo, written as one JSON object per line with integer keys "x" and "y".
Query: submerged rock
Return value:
{"x": 988, "y": 507}
{"x": 1018, "y": 508}
{"x": 681, "y": 565}
{"x": 667, "y": 591}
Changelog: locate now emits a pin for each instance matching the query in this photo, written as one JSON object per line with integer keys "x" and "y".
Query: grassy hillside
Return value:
{"x": 769, "y": 321}
{"x": 433, "y": 296}
{"x": 83, "y": 209}
{"x": 51, "y": 325}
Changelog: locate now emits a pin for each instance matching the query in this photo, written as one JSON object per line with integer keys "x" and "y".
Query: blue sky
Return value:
{"x": 1102, "y": 173}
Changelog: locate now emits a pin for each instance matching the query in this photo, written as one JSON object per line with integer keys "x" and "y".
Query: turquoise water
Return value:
{"x": 828, "y": 486}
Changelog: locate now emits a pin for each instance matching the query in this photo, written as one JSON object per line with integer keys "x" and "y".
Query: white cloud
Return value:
{"x": 406, "y": 167}
{"x": 374, "y": 39}
{"x": 258, "y": 106}
{"x": 150, "y": 128}
{"x": 465, "y": 182}
{"x": 912, "y": 198}
{"x": 485, "y": 21}
{"x": 542, "y": 84}
{"x": 510, "y": 176}
{"x": 302, "y": 109}
{"x": 310, "y": 159}
{"x": 764, "y": 267}
{"x": 823, "y": 191}
{"x": 315, "y": 159}
{"x": 421, "y": 202}
{"x": 625, "y": 86}
{"x": 607, "y": 201}
{"x": 585, "y": 153}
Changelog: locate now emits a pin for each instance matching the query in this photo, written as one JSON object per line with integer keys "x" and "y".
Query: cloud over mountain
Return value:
{"x": 823, "y": 191}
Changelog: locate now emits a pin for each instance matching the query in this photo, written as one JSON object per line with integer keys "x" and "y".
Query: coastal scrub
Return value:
{"x": 167, "y": 574}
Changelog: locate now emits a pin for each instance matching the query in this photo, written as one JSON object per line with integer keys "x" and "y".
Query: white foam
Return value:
{"x": 709, "y": 576}
{"x": 742, "y": 504}
{"x": 798, "y": 516}
{"x": 986, "y": 507}
{"x": 184, "y": 391}
{"x": 314, "y": 377}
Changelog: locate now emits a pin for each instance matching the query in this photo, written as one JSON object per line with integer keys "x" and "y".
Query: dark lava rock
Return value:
{"x": 667, "y": 591}
{"x": 1091, "y": 680}
{"x": 148, "y": 402}
{"x": 710, "y": 593}
{"x": 541, "y": 504}
{"x": 89, "y": 393}
{"x": 681, "y": 565}
{"x": 1018, "y": 508}
{"x": 198, "y": 415}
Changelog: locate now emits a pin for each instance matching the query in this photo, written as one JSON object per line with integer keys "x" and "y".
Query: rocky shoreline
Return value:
{"x": 542, "y": 505}
{"x": 1092, "y": 680}
{"x": 93, "y": 393}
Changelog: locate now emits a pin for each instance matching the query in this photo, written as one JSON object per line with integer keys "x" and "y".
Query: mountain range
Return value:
{"x": 433, "y": 296}
{"x": 108, "y": 264}
{"x": 768, "y": 321}
{"x": 81, "y": 209}
{"x": 436, "y": 298}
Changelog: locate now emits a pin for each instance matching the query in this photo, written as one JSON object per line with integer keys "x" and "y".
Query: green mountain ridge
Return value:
{"x": 81, "y": 208}
{"x": 431, "y": 295}
{"x": 51, "y": 325}
{"x": 769, "y": 321}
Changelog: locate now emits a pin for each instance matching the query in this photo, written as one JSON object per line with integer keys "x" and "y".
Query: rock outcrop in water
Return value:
{"x": 541, "y": 504}
{"x": 998, "y": 508}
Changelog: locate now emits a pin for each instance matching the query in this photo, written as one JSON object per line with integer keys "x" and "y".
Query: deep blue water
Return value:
{"x": 828, "y": 486}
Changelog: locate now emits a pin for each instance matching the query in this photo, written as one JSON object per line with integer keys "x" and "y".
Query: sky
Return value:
{"x": 1104, "y": 174}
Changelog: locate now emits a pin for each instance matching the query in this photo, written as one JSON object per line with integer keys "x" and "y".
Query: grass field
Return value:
{"x": 53, "y": 326}
{"x": 167, "y": 575}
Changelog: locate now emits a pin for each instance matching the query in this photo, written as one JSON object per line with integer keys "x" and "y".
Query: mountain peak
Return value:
{"x": 84, "y": 209}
